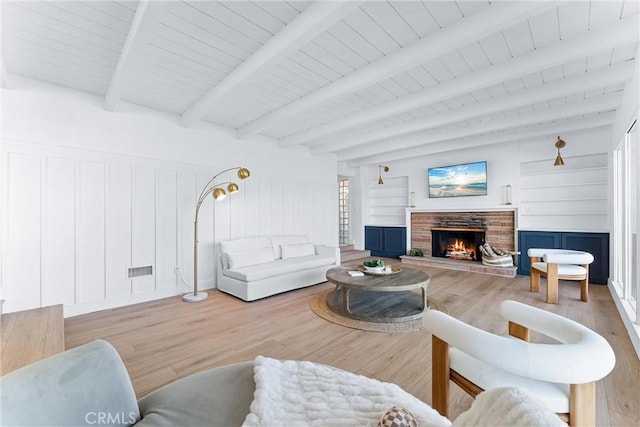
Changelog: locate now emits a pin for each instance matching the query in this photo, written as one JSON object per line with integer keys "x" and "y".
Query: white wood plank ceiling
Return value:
{"x": 369, "y": 80}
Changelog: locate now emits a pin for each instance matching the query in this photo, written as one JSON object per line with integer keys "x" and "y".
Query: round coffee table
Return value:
{"x": 378, "y": 298}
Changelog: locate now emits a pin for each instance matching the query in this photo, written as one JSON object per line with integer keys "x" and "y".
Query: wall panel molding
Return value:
{"x": 91, "y": 215}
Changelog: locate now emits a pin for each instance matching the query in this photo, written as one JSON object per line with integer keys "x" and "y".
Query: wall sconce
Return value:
{"x": 559, "y": 144}
{"x": 218, "y": 193}
{"x": 507, "y": 194}
{"x": 380, "y": 168}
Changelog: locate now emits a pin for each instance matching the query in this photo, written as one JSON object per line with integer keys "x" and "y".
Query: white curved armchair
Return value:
{"x": 560, "y": 376}
{"x": 559, "y": 264}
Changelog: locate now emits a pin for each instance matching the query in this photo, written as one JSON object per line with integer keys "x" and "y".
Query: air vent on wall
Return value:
{"x": 147, "y": 270}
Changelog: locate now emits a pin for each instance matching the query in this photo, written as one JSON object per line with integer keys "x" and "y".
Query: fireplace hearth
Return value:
{"x": 457, "y": 243}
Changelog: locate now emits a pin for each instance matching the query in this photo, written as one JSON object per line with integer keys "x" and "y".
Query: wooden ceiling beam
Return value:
{"x": 561, "y": 112}
{"x": 313, "y": 21}
{"x": 147, "y": 14}
{"x": 572, "y": 85}
{"x": 468, "y": 30}
{"x": 544, "y": 130}
{"x": 622, "y": 33}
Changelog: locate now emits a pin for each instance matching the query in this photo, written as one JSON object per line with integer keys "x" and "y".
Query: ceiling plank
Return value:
{"x": 4, "y": 75}
{"x": 456, "y": 35}
{"x": 572, "y": 85}
{"x": 313, "y": 21}
{"x": 147, "y": 15}
{"x": 560, "y": 112}
{"x": 546, "y": 130}
{"x": 622, "y": 33}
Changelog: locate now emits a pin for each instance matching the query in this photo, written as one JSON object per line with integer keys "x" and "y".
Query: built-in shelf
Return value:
{"x": 564, "y": 200}
{"x": 386, "y": 197}
{"x": 568, "y": 196}
{"x": 577, "y": 184}
{"x": 392, "y": 195}
{"x": 564, "y": 171}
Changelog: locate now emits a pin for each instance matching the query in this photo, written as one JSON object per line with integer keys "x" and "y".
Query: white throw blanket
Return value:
{"x": 294, "y": 393}
{"x": 507, "y": 407}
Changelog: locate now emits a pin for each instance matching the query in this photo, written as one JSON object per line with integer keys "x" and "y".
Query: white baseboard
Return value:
{"x": 633, "y": 329}
{"x": 90, "y": 307}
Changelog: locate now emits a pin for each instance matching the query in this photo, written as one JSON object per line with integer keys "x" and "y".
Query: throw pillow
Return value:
{"x": 250, "y": 257}
{"x": 294, "y": 251}
{"x": 397, "y": 416}
{"x": 290, "y": 239}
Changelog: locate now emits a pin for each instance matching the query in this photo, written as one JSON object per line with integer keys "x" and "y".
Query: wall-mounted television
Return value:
{"x": 469, "y": 179}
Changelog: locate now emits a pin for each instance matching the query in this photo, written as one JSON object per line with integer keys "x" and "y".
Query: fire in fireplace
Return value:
{"x": 457, "y": 243}
{"x": 459, "y": 249}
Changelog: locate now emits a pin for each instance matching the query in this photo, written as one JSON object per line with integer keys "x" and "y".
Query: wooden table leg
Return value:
{"x": 345, "y": 299}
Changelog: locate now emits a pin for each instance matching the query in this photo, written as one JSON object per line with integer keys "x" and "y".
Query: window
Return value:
{"x": 343, "y": 210}
{"x": 626, "y": 248}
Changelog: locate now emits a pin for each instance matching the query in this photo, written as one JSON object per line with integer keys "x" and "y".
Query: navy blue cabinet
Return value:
{"x": 595, "y": 243}
{"x": 388, "y": 242}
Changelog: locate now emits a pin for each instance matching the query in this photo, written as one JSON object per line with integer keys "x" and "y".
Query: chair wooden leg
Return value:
{"x": 534, "y": 276}
{"x": 582, "y": 404}
{"x": 519, "y": 331}
{"x": 440, "y": 376}
{"x": 552, "y": 283}
{"x": 584, "y": 286}
{"x": 534, "y": 281}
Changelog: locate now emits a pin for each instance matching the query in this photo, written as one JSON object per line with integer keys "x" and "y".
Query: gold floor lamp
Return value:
{"x": 218, "y": 193}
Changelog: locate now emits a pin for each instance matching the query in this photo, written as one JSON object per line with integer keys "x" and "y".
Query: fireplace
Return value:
{"x": 457, "y": 243}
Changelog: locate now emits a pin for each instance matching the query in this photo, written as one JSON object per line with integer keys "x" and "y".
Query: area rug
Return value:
{"x": 318, "y": 304}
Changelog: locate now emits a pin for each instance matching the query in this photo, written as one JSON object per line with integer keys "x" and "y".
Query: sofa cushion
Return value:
{"x": 290, "y": 239}
{"x": 239, "y": 259}
{"x": 298, "y": 250}
{"x": 563, "y": 269}
{"x": 552, "y": 395}
{"x": 238, "y": 245}
{"x": 83, "y": 386}
{"x": 215, "y": 397}
{"x": 279, "y": 267}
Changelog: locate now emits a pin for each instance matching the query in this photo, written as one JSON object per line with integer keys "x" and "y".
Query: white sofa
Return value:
{"x": 257, "y": 267}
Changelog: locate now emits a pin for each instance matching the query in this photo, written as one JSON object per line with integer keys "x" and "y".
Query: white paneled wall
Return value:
{"x": 78, "y": 220}
{"x": 24, "y": 230}
{"x": 88, "y": 193}
{"x": 58, "y": 266}
{"x": 118, "y": 226}
{"x": 166, "y": 222}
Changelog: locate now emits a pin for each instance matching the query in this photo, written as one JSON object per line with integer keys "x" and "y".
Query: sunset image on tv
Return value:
{"x": 469, "y": 179}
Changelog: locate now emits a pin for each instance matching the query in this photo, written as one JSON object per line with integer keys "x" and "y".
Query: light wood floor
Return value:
{"x": 167, "y": 339}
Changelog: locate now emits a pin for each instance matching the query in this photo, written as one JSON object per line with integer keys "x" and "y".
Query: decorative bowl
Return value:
{"x": 374, "y": 265}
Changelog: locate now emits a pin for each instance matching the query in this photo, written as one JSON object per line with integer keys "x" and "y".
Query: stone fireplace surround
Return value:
{"x": 499, "y": 226}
